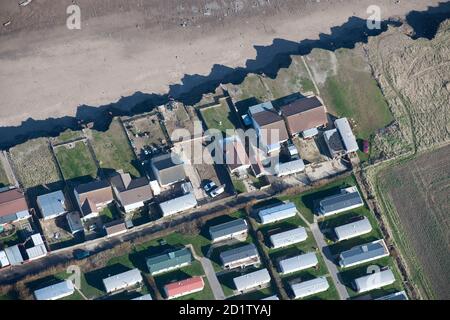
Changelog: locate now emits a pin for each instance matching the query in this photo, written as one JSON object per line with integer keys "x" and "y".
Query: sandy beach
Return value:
{"x": 129, "y": 46}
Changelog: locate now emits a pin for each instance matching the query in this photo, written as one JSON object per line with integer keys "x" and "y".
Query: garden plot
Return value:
{"x": 75, "y": 160}
{"x": 34, "y": 164}
{"x": 112, "y": 149}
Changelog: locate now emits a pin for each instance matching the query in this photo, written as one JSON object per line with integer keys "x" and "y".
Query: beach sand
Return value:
{"x": 129, "y": 46}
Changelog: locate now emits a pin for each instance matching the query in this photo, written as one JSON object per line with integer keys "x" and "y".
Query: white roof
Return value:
{"x": 347, "y": 135}
{"x": 310, "y": 133}
{"x": 310, "y": 287}
{"x": 14, "y": 255}
{"x": 274, "y": 297}
{"x": 374, "y": 281}
{"x": 261, "y": 107}
{"x": 291, "y": 167}
{"x": 179, "y": 204}
{"x": 144, "y": 297}
{"x": 36, "y": 252}
{"x": 353, "y": 229}
{"x": 122, "y": 280}
{"x": 251, "y": 280}
{"x": 56, "y": 291}
{"x": 37, "y": 239}
{"x": 297, "y": 263}
{"x": 278, "y": 212}
{"x": 289, "y": 237}
{"x": 3, "y": 259}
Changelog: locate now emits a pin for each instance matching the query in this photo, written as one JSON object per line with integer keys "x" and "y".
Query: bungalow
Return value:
{"x": 38, "y": 250}
{"x": 240, "y": 257}
{"x": 168, "y": 169}
{"x": 178, "y": 205}
{"x": 347, "y": 135}
{"x": 56, "y": 291}
{"x": 374, "y": 281}
{"x": 304, "y": 114}
{"x": 184, "y": 287}
{"x": 278, "y": 212}
{"x": 14, "y": 255}
{"x": 13, "y": 206}
{"x": 251, "y": 280}
{"x": 353, "y": 229}
{"x": 310, "y": 287}
{"x": 269, "y": 126}
{"x": 363, "y": 253}
{"x": 298, "y": 263}
{"x": 169, "y": 261}
{"x": 52, "y": 204}
{"x": 235, "y": 229}
{"x": 115, "y": 227}
{"x": 123, "y": 280}
{"x": 92, "y": 197}
{"x": 287, "y": 238}
{"x": 347, "y": 199}
{"x": 131, "y": 193}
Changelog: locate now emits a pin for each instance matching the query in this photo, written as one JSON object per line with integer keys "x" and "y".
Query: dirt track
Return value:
{"x": 129, "y": 46}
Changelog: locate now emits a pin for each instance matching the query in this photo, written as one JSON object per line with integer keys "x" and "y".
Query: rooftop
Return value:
{"x": 52, "y": 203}
{"x": 12, "y": 201}
{"x": 169, "y": 260}
{"x": 239, "y": 253}
{"x": 227, "y": 228}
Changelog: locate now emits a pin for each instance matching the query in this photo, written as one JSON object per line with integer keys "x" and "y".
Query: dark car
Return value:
{"x": 80, "y": 254}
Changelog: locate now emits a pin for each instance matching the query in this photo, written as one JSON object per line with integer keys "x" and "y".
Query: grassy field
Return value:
{"x": 3, "y": 177}
{"x": 220, "y": 117}
{"x": 414, "y": 196}
{"x": 113, "y": 150}
{"x": 34, "y": 163}
{"x": 68, "y": 135}
{"x": 76, "y": 162}
{"x": 349, "y": 90}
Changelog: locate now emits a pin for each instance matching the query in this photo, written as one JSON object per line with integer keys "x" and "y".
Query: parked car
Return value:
{"x": 80, "y": 254}
{"x": 217, "y": 191}
{"x": 209, "y": 186}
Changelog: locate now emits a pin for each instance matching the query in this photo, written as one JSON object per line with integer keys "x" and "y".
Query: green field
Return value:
{"x": 76, "y": 162}
{"x": 113, "y": 149}
{"x": 220, "y": 117}
{"x": 68, "y": 135}
{"x": 350, "y": 90}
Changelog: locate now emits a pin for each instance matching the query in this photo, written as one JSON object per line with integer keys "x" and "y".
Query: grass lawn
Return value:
{"x": 220, "y": 117}
{"x": 113, "y": 149}
{"x": 110, "y": 213}
{"x": 76, "y": 162}
{"x": 238, "y": 186}
{"x": 3, "y": 177}
{"x": 352, "y": 92}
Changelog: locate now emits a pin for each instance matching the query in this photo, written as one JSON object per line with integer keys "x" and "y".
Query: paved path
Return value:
{"x": 332, "y": 268}
{"x": 210, "y": 275}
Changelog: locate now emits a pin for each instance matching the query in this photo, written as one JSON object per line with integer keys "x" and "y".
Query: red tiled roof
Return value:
{"x": 12, "y": 201}
{"x": 180, "y": 287}
{"x": 304, "y": 114}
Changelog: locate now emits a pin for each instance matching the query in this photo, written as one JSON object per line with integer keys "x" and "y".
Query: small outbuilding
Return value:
{"x": 298, "y": 263}
{"x": 235, "y": 229}
{"x": 252, "y": 280}
{"x": 353, "y": 229}
{"x": 374, "y": 281}
{"x": 123, "y": 280}
{"x": 277, "y": 212}
{"x": 310, "y": 287}
{"x": 178, "y": 205}
{"x": 287, "y": 238}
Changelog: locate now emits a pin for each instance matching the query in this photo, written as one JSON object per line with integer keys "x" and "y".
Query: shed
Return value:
{"x": 14, "y": 256}
{"x": 298, "y": 263}
{"x": 291, "y": 167}
{"x": 287, "y": 238}
{"x": 115, "y": 227}
{"x": 55, "y": 291}
{"x": 169, "y": 261}
{"x": 347, "y": 199}
{"x": 310, "y": 287}
{"x": 334, "y": 143}
{"x": 122, "y": 280}
{"x": 242, "y": 256}
{"x": 347, "y": 135}
{"x": 4, "y": 262}
{"x": 36, "y": 252}
{"x": 353, "y": 229}
{"x": 277, "y": 212}
{"x": 178, "y": 205}
{"x": 252, "y": 280}
{"x": 374, "y": 281}
{"x": 52, "y": 204}
{"x": 228, "y": 230}
{"x": 74, "y": 222}
{"x": 363, "y": 253}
